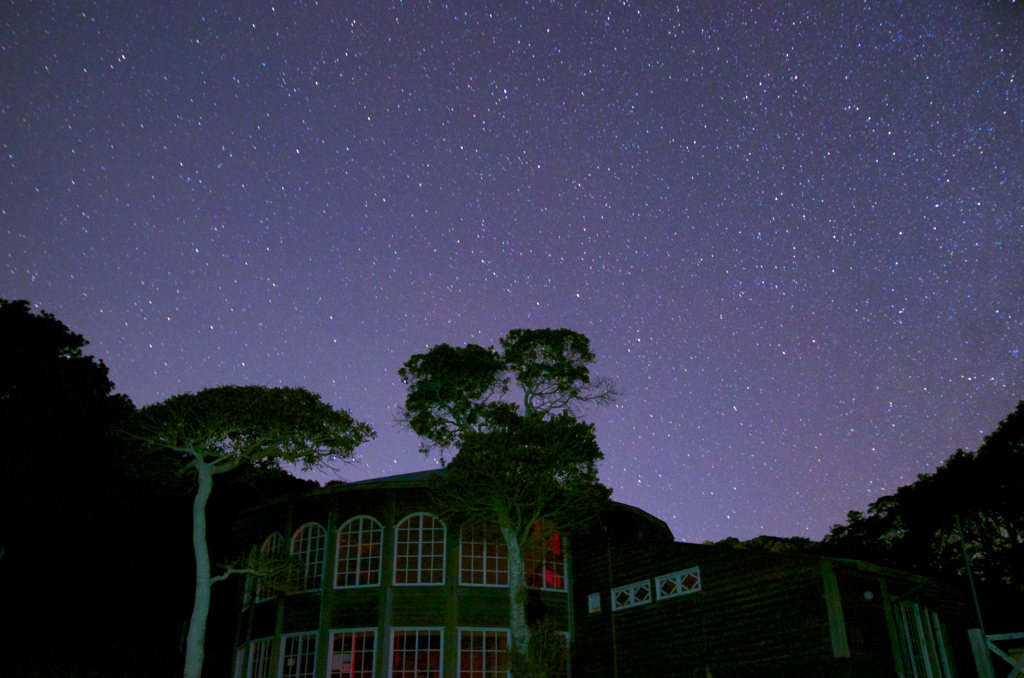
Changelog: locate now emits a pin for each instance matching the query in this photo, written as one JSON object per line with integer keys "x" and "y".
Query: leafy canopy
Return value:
{"x": 524, "y": 462}
{"x": 541, "y": 472}
{"x": 227, "y": 425}
{"x": 455, "y": 391}
{"x": 915, "y": 528}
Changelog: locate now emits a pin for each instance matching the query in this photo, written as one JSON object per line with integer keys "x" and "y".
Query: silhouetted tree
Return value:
{"x": 221, "y": 429}
{"x": 62, "y": 495}
{"x": 915, "y": 528}
{"x": 524, "y": 462}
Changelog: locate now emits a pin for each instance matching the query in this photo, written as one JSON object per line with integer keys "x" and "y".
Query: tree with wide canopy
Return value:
{"x": 220, "y": 429}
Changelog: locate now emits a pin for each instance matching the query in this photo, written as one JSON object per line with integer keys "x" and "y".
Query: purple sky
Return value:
{"x": 794, "y": 235}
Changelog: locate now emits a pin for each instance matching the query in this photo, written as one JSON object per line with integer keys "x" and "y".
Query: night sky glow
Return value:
{"x": 793, "y": 233}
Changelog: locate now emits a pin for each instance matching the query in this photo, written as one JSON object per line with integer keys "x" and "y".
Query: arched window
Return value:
{"x": 272, "y": 546}
{"x": 419, "y": 550}
{"x": 358, "y": 553}
{"x": 309, "y": 543}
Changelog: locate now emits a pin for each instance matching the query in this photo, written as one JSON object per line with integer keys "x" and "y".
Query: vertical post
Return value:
{"x": 836, "y": 622}
{"x": 982, "y": 656}
{"x": 571, "y": 639}
{"x": 894, "y": 628}
{"x": 323, "y": 636}
{"x": 611, "y": 606}
{"x": 970, "y": 577}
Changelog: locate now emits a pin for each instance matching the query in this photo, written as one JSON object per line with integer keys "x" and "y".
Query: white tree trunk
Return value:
{"x": 195, "y": 644}
{"x": 516, "y": 592}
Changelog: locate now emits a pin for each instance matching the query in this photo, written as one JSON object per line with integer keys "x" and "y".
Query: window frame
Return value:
{"x": 631, "y": 590}
{"x": 679, "y": 577}
{"x": 261, "y": 593}
{"x": 545, "y": 559}
{"x": 268, "y": 644}
{"x": 377, "y": 527}
{"x": 419, "y": 570}
{"x": 485, "y": 674}
{"x": 440, "y": 651}
{"x": 284, "y": 655}
{"x": 318, "y": 564}
{"x": 373, "y": 650}
{"x": 594, "y": 603}
{"x": 922, "y": 640}
{"x": 498, "y": 571}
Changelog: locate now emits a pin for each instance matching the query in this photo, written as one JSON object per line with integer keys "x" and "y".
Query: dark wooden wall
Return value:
{"x": 758, "y": 612}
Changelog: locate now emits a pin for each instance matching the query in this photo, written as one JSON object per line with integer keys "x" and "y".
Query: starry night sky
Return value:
{"x": 794, "y": 234}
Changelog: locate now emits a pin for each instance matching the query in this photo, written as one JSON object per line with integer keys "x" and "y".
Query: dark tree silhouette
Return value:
{"x": 915, "y": 528}
{"x": 219, "y": 430}
{"x": 524, "y": 462}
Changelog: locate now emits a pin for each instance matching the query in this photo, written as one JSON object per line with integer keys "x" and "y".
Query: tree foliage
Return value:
{"x": 454, "y": 391}
{"x": 540, "y": 472}
{"x": 915, "y": 528}
{"x": 59, "y": 413}
{"x": 229, "y": 425}
{"x": 221, "y": 429}
{"x": 63, "y": 488}
{"x": 524, "y": 462}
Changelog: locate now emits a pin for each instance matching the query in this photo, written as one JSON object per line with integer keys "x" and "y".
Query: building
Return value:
{"x": 388, "y": 591}
{"x": 645, "y": 605}
{"x": 387, "y": 588}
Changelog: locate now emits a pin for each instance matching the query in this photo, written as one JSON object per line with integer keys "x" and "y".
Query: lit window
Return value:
{"x": 632, "y": 595}
{"x": 594, "y": 602}
{"x": 419, "y": 550}
{"x": 923, "y": 641}
{"x": 309, "y": 543}
{"x": 259, "y": 658}
{"x": 677, "y": 583}
{"x": 298, "y": 655}
{"x": 416, "y": 653}
{"x": 484, "y": 558}
{"x": 358, "y": 553}
{"x": 272, "y": 546}
{"x": 543, "y": 561}
{"x": 483, "y": 653}
{"x": 352, "y": 654}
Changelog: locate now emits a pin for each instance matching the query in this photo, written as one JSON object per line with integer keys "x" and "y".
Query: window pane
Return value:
{"x": 273, "y": 546}
{"x": 416, "y": 653}
{"x": 677, "y": 583}
{"x": 483, "y": 654}
{"x": 259, "y": 659}
{"x": 359, "y": 543}
{"x": 543, "y": 562}
{"x": 309, "y": 543}
{"x": 352, "y": 654}
{"x": 298, "y": 656}
{"x": 419, "y": 550}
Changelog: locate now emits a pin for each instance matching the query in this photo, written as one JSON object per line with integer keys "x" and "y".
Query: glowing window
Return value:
{"x": 416, "y": 653}
{"x": 544, "y": 562}
{"x": 352, "y": 653}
